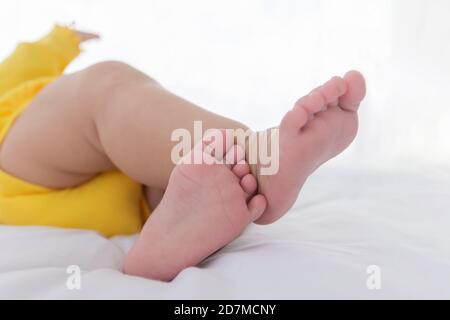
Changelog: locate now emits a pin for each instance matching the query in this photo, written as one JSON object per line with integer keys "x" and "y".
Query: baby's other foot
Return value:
{"x": 320, "y": 126}
{"x": 205, "y": 207}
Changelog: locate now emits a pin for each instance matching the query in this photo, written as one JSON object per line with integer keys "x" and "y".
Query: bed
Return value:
{"x": 372, "y": 224}
{"x": 346, "y": 223}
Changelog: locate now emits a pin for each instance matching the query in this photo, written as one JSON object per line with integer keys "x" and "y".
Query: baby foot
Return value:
{"x": 319, "y": 127}
{"x": 205, "y": 207}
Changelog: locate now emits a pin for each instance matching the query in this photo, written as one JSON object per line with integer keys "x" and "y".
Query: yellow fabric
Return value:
{"x": 111, "y": 203}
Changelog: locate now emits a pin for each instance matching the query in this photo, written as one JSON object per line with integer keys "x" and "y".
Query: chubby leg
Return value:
{"x": 106, "y": 116}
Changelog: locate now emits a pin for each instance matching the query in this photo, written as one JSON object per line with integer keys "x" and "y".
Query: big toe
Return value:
{"x": 356, "y": 91}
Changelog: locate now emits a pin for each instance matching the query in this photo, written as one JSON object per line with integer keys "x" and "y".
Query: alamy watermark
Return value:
{"x": 262, "y": 148}
{"x": 73, "y": 281}
{"x": 373, "y": 281}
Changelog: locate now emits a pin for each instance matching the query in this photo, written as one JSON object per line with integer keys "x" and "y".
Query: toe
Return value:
{"x": 217, "y": 142}
{"x": 249, "y": 184}
{"x": 356, "y": 91}
{"x": 339, "y": 84}
{"x": 200, "y": 154}
{"x": 234, "y": 155}
{"x": 294, "y": 120}
{"x": 332, "y": 90}
{"x": 313, "y": 103}
{"x": 241, "y": 169}
{"x": 256, "y": 206}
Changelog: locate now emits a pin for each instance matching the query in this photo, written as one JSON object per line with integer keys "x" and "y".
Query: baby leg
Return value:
{"x": 104, "y": 117}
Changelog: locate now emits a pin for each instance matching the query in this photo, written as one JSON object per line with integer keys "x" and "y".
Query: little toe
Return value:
{"x": 356, "y": 91}
{"x": 256, "y": 206}
{"x": 249, "y": 184}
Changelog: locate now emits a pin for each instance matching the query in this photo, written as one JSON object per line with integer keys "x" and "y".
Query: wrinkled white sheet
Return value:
{"x": 344, "y": 222}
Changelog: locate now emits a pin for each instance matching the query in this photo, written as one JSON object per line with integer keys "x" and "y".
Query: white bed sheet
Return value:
{"x": 345, "y": 221}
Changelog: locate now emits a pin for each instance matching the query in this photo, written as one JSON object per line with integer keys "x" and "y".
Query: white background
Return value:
{"x": 250, "y": 60}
